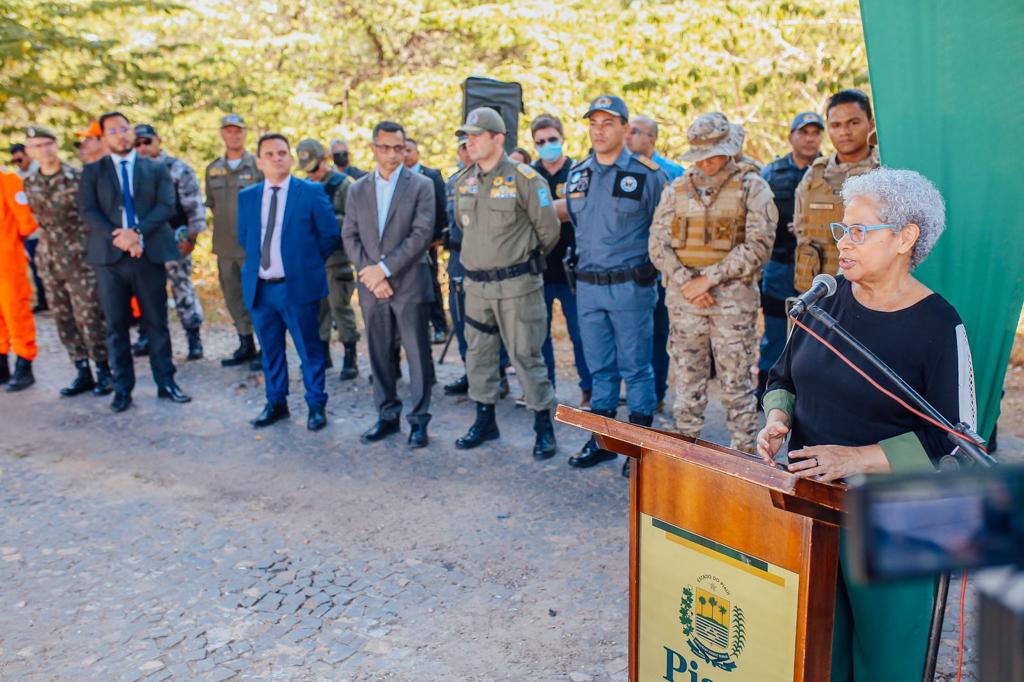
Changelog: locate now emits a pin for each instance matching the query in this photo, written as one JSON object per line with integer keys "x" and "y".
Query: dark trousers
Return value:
{"x": 563, "y": 294}
{"x": 437, "y": 317}
{"x": 385, "y": 322}
{"x": 659, "y": 358}
{"x": 273, "y": 314}
{"x": 147, "y": 282}
{"x": 30, "y": 249}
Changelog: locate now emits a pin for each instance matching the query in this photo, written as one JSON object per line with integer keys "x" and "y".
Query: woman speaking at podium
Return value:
{"x": 840, "y": 425}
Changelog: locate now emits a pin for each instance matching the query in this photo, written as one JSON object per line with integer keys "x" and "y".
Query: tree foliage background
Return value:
{"x": 328, "y": 68}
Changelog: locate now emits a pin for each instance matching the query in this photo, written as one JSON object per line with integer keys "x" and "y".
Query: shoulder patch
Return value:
{"x": 527, "y": 172}
{"x": 647, "y": 162}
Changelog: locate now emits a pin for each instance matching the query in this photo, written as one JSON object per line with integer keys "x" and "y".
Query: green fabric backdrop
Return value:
{"x": 947, "y": 79}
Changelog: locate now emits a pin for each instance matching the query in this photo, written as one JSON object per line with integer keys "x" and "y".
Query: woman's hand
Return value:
{"x": 833, "y": 462}
{"x": 772, "y": 436}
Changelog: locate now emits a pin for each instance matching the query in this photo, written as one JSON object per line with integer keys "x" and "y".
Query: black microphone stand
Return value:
{"x": 970, "y": 444}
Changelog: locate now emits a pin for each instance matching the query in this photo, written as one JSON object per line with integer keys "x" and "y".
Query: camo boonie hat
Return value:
{"x": 711, "y": 135}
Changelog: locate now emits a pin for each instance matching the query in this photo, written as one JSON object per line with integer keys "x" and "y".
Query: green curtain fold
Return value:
{"x": 947, "y": 79}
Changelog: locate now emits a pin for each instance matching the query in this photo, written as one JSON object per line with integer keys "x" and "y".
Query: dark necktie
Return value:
{"x": 126, "y": 196}
{"x": 271, "y": 219}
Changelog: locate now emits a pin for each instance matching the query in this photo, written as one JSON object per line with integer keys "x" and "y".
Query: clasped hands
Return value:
{"x": 697, "y": 292}
{"x": 375, "y": 279}
{"x": 129, "y": 241}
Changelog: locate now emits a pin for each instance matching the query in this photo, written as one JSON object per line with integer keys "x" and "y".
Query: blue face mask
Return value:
{"x": 550, "y": 151}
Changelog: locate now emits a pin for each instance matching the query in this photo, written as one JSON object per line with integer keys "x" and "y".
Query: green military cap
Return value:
{"x": 311, "y": 153}
{"x": 232, "y": 120}
{"x": 37, "y": 131}
{"x": 482, "y": 119}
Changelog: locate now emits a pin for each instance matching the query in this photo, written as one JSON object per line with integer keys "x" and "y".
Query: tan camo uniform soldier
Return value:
{"x": 818, "y": 202}
{"x": 509, "y": 224}
{"x": 712, "y": 232}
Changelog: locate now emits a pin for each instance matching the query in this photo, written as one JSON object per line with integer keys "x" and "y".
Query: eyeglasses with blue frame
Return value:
{"x": 857, "y": 233}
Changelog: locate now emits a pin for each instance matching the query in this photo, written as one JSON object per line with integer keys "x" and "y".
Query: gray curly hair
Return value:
{"x": 903, "y": 197}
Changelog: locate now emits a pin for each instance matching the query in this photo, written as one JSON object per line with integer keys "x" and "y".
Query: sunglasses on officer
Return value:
{"x": 541, "y": 141}
{"x": 143, "y": 141}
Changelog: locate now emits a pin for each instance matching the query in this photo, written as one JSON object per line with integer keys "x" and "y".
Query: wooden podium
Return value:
{"x": 732, "y": 563}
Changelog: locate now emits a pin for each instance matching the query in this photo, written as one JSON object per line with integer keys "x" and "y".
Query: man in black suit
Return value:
{"x": 412, "y": 162}
{"x": 126, "y": 201}
{"x": 389, "y": 221}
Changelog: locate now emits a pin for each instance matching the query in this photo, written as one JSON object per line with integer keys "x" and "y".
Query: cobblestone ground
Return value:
{"x": 174, "y": 542}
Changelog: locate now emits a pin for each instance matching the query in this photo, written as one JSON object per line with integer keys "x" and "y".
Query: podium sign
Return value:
{"x": 732, "y": 562}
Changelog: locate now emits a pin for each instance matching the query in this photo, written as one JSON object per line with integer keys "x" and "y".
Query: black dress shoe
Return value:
{"x": 272, "y": 412}
{"x": 121, "y": 402}
{"x": 171, "y": 391}
{"x": 458, "y": 387}
{"x": 317, "y": 418}
{"x": 418, "y": 436}
{"x": 381, "y": 430}
{"x": 22, "y": 376}
{"x": 590, "y": 455}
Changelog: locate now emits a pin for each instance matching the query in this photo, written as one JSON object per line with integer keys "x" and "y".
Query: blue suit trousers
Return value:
{"x": 272, "y": 314}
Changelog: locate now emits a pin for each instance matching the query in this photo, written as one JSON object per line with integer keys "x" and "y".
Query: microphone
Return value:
{"x": 823, "y": 286}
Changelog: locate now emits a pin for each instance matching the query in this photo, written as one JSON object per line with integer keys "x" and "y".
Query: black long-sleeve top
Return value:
{"x": 829, "y": 404}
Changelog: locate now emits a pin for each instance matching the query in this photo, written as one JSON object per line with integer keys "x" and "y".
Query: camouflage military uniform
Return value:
{"x": 817, "y": 203}
{"x": 735, "y": 214}
{"x": 179, "y": 272}
{"x": 69, "y": 282}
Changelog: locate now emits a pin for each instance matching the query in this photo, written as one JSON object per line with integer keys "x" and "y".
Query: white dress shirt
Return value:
{"x": 130, "y": 158}
{"x": 385, "y": 192}
{"x": 276, "y": 268}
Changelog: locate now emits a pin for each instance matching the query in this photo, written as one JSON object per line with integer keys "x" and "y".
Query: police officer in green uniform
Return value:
{"x": 509, "y": 224}
{"x": 225, "y": 176}
{"x": 341, "y": 276}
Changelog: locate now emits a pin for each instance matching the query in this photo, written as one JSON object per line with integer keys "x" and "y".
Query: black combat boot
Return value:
{"x": 104, "y": 379}
{"x": 349, "y": 367}
{"x": 140, "y": 348}
{"x": 590, "y": 454}
{"x": 81, "y": 383}
{"x": 22, "y": 377}
{"x": 5, "y": 370}
{"x": 544, "y": 445}
{"x": 458, "y": 387}
{"x": 245, "y": 352}
{"x": 639, "y": 420}
{"x": 195, "y": 344}
{"x": 485, "y": 428}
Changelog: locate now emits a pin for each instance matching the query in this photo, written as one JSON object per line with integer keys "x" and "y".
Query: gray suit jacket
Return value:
{"x": 407, "y": 235}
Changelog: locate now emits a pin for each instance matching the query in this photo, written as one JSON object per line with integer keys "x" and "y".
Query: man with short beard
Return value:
{"x": 126, "y": 201}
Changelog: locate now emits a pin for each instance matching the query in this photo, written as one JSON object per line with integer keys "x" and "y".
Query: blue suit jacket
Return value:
{"x": 309, "y": 234}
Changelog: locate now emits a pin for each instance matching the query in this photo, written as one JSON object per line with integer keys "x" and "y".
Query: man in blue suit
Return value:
{"x": 288, "y": 229}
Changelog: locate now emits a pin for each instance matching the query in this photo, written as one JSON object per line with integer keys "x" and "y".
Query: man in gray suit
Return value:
{"x": 389, "y": 222}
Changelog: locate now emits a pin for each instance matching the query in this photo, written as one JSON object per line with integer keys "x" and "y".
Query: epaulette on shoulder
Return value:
{"x": 647, "y": 162}
{"x": 821, "y": 161}
{"x": 527, "y": 172}
{"x": 583, "y": 163}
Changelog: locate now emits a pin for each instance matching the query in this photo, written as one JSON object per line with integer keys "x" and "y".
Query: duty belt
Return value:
{"x": 645, "y": 275}
{"x": 535, "y": 266}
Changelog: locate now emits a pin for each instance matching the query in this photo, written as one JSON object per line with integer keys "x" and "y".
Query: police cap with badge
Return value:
{"x": 311, "y": 153}
{"x": 38, "y": 132}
